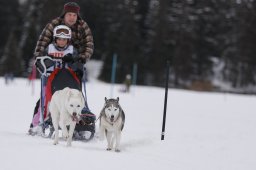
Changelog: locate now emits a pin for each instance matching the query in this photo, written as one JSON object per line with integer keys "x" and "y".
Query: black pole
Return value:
{"x": 165, "y": 98}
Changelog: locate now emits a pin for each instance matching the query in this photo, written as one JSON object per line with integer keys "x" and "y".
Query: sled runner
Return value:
{"x": 56, "y": 75}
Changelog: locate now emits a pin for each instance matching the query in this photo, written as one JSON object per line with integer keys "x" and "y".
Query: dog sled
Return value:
{"x": 56, "y": 75}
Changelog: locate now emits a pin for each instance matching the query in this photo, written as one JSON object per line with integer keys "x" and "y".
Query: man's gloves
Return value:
{"x": 81, "y": 60}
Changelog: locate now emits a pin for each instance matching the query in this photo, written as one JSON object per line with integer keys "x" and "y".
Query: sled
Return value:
{"x": 56, "y": 75}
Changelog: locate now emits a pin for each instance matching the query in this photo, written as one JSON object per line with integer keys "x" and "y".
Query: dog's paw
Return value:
{"x": 108, "y": 149}
{"x": 117, "y": 150}
{"x": 65, "y": 135}
{"x": 55, "y": 142}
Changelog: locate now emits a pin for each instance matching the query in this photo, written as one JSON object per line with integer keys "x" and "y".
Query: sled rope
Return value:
{"x": 98, "y": 118}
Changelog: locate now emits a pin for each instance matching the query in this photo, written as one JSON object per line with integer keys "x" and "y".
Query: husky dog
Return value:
{"x": 65, "y": 109}
{"x": 112, "y": 120}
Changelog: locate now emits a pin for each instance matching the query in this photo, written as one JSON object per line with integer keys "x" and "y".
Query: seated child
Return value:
{"x": 60, "y": 50}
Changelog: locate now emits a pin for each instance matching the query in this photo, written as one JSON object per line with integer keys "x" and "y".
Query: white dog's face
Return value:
{"x": 75, "y": 103}
{"x": 112, "y": 113}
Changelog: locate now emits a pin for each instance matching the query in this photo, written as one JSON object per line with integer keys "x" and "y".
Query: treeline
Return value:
{"x": 208, "y": 43}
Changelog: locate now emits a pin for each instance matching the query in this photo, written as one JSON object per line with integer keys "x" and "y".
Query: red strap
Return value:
{"x": 48, "y": 90}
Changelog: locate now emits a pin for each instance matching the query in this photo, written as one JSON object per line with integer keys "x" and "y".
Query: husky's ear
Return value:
{"x": 106, "y": 99}
{"x": 117, "y": 99}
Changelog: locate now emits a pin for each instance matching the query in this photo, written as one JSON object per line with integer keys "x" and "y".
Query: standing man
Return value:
{"x": 82, "y": 38}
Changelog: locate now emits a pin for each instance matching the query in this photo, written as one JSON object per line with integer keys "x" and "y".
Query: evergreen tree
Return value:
{"x": 129, "y": 41}
{"x": 10, "y": 19}
{"x": 11, "y": 62}
{"x": 158, "y": 41}
{"x": 34, "y": 21}
{"x": 245, "y": 62}
{"x": 122, "y": 37}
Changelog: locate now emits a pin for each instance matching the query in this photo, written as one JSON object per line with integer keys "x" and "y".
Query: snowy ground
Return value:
{"x": 204, "y": 131}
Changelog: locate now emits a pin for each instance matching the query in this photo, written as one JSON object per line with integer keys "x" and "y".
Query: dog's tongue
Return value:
{"x": 74, "y": 118}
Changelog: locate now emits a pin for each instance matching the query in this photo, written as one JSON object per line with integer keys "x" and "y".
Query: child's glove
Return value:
{"x": 68, "y": 58}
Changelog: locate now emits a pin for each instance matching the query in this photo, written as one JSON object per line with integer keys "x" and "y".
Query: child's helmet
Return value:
{"x": 62, "y": 31}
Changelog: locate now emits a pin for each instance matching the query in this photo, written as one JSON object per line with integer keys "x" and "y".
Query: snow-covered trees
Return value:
{"x": 191, "y": 34}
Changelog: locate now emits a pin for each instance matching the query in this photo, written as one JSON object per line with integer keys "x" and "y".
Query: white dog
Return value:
{"x": 65, "y": 109}
{"x": 112, "y": 120}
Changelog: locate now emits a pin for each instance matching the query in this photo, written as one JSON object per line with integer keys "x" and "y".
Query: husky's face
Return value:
{"x": 75, "y": 104}
{"x": 112, "y": 112}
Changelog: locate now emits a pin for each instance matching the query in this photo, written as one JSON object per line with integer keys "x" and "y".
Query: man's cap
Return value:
{"x": 71, "y": 7}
